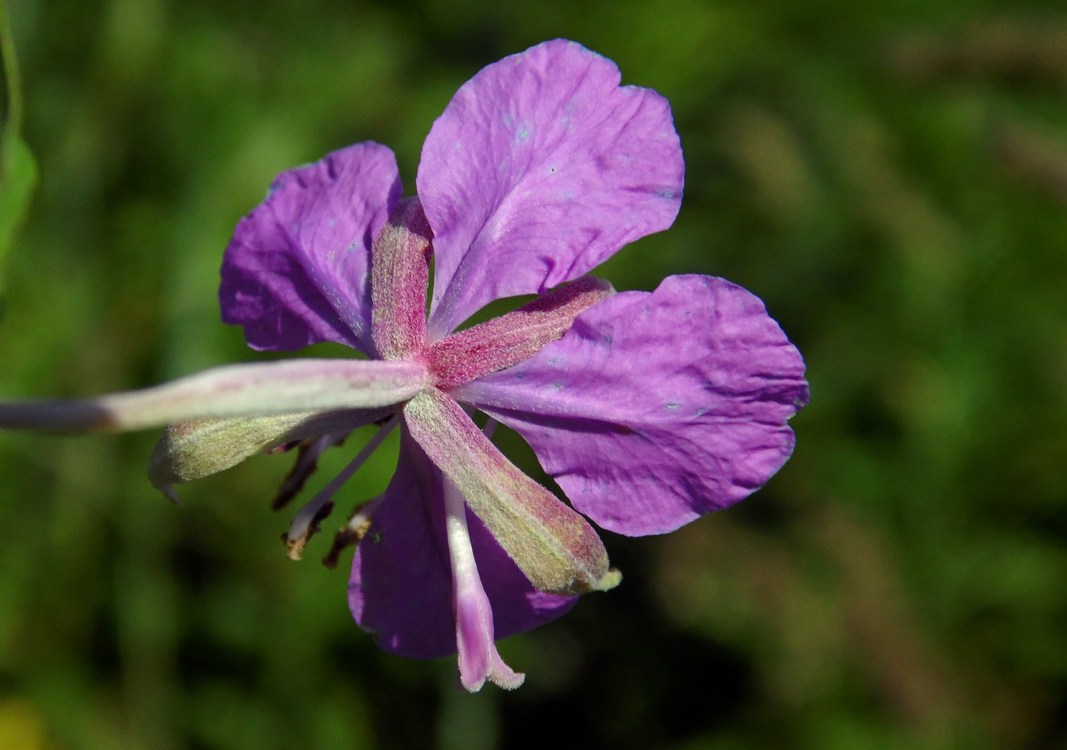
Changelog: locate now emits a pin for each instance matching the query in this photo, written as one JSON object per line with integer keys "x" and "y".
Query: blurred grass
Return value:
{"x": 890, "y": 178}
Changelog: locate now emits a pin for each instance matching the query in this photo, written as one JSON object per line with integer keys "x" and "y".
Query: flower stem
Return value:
{"x": 282, "y": 387}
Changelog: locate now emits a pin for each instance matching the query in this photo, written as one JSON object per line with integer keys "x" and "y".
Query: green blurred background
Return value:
{"x": 890, "y": 176}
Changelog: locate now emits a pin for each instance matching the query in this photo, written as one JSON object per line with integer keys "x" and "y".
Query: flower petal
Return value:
{"x": 296, "y": 271}
{"x": 656, "y": 408}
{"x": 540, "y": 168}
{"x": 401, "y": 585}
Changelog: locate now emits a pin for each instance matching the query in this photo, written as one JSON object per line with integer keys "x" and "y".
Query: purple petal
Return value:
{"x": 656, "y": 408}
{"x": 296, "y": 271}
{"x": 540, "y": 168}
{"x": 401, "y": 584}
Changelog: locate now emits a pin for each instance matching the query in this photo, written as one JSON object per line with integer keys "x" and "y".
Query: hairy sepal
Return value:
{"x": 514, "y": 337}
{"x": 557, "y": 550}
{"x": 198, "y": 448}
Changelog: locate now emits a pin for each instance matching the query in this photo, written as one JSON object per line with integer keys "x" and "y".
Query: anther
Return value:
{"x": 307, "y": 520}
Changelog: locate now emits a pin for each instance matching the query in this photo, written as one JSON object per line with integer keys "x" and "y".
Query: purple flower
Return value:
{"x": 648, "y": 408}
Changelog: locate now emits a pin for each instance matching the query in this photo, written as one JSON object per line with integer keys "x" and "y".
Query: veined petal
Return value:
{"x": 296, "y": 271}
{"x": 540, "y": 168}
{"x": 553, "y": 546}
{"x": 656, "y": 407}
{"x": 401, "y": 584}
{"x": 297, "y": 385}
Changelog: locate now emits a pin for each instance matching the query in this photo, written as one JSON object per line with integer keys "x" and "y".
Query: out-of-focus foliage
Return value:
{"x": 890, "y": 176}
{"x": 18, "y": 170}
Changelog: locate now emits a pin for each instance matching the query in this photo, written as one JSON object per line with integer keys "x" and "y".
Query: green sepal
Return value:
{"x": 201, "y": 447}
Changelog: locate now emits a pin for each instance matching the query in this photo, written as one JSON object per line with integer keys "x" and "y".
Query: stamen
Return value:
{"x": 352, "y": 532}
{"x": 319, "y": 507}
{"x": 479, "y": 659}
{"x": 307, "y": 461}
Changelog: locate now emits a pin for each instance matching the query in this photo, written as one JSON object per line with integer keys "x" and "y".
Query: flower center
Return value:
{"x": 400, "y": 260}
